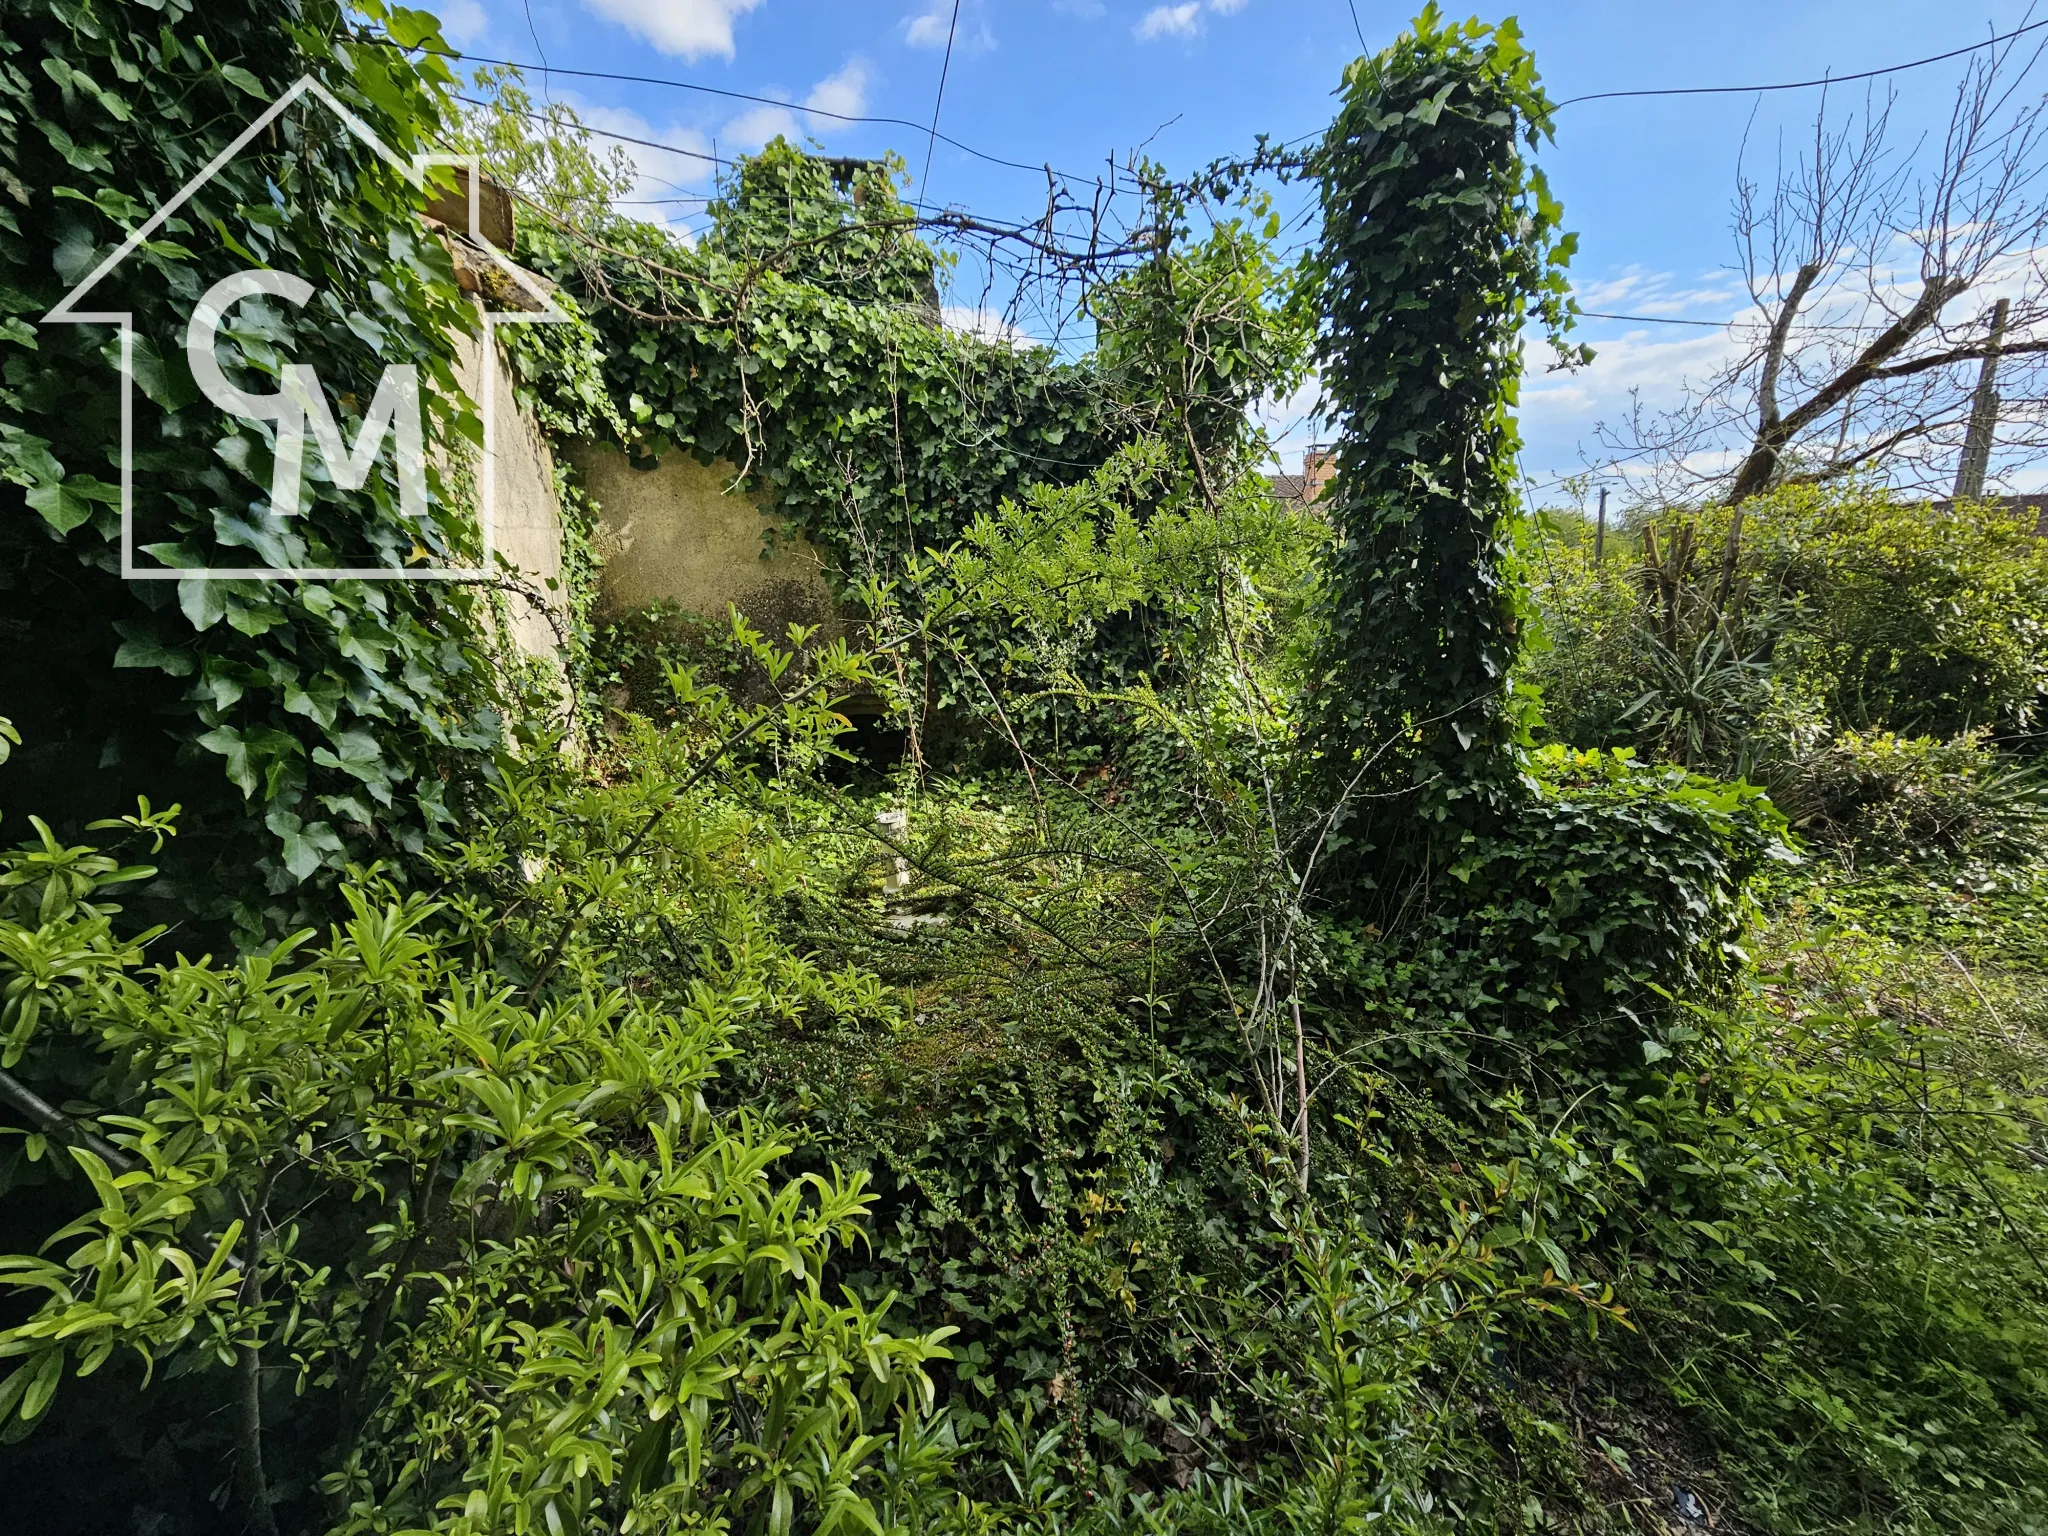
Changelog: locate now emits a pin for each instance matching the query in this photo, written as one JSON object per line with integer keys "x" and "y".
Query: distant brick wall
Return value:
{"x": 1318, "y": 469}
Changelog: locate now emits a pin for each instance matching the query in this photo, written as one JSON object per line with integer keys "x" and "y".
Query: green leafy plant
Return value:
{"x": 1440, "y": 239}
{"x": 294, "y": 723}
{"x": 494, "y": 1236}
{"x": 1913, "y": 797}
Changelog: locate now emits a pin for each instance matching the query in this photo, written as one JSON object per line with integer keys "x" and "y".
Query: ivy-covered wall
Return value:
{"x": 799, "y": 348}
{"x": 799, "y": 343}
{"x": 298, "y": 723}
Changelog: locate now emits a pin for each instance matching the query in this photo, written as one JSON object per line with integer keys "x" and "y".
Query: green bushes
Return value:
{"x": 1885, "y": 796}
{"x": 647, "y": 1156}
{"x": 1836, "y": 1247}
{"x": 1903, "y": 617}
{"x": 1590, "y": 656}
{"x": 434, "y": 1208}
{"x": 1852, "y": 610}
{"x": 1615, "y": 887}
{"x": 1844, "y": 1276}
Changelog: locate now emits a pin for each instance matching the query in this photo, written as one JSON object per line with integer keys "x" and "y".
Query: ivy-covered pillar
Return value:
{"x": 1439, "y": 240}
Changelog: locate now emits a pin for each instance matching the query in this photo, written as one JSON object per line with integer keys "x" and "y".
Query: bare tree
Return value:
{"x": 1863, "y": 348}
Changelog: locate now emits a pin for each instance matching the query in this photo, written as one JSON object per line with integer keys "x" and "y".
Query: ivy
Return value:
{"x": 802, "y": 342}
{"x": 1439, "y": 240}
{"x": 300, "y": 724}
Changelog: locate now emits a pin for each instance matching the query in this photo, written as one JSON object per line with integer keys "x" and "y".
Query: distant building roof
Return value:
{"x": 1290, "y": 490}
{"x": 1318, "y": 469}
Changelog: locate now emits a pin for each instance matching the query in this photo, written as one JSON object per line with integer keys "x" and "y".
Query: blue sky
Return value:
{"x": 1645, "y": 182}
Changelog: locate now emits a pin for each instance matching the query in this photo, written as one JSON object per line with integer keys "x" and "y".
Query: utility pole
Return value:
{"x": 1600, "y": 531}
{"x": 1983, "y": 414}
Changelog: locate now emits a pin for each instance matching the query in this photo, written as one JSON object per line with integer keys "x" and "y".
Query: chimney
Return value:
{"x": 1318, "y": 469}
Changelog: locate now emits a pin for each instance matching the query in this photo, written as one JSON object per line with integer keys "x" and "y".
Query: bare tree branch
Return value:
{"x": 1855, "y": 254}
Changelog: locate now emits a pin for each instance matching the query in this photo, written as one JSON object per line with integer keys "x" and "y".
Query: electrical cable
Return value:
{"x": 932, "y": 142}
{"x": 603, "y": 133}
{"x": 968, "y": 149}
{"x": 1802, "y": 85}
{"x": 1597, "y": 314}
{"x": 547, "y": 88}
{"x": 933, "y": 136}
{"x": 713, "y": 90}
{"x": 1718, "y": 325}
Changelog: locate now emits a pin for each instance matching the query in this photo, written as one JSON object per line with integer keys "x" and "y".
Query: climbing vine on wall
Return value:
{"x": 304, "y": 722}
{"x": 802, "y": 340}
{"x": 802, "y": 343}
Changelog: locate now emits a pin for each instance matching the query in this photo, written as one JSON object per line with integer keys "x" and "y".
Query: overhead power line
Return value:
{"x": 921, "y": 129}
{"x": 932, "y": 142}
{"x": 1803, "y": 85}
{"x": 1721, "y": 325}
{"x": 602, "y": 133}
{"x": 1597, "y": 314}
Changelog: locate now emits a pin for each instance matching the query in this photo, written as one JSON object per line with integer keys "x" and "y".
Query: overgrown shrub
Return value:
{"x": 1592, "y": 655}
{"x": 1551, "y": 955}
{"x": 421, "y": 1240}
{"x": 1887, "y": 796}
{"x": 1843, "y": 1275}
{"x": 1852, "y": 609}
{"x": 1910, "y": 619}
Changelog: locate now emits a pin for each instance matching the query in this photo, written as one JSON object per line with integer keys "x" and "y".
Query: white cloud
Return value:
{"x": 757, "y": 125}
{"x": 930, "y": 29}
{"x": 663, "y": 175}
{"x": 690, "y": 28}
{"x": 845, "y": 93}
{"x": 987, "y": 325}
{"x": 1184, "y": 20}
{"x": 1653, "y": 365}
{"x": 1636, "y": 291}
{"x": 464, "y": 23}
{"x": 1227, "y": 7}
{"x": 934, "y": 25}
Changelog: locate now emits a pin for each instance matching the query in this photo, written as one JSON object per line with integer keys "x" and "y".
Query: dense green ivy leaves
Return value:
{"x": 295, "y": 722}
{"x": 1439, "y": 240}
{"x": 802, "y": 343}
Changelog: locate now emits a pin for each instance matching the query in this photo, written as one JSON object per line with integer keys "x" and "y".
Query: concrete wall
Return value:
{"x": 528, "y": 524}
{"x": 674, "y": 533}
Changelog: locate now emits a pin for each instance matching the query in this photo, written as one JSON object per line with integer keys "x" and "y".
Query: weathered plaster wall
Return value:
{"x": 527, "y": 529}
{"x": 673, "y": 533}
